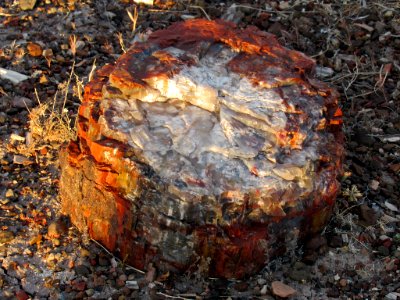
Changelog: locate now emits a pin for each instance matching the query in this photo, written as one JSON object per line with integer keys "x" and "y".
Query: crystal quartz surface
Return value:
{"x": 204, "y": 147}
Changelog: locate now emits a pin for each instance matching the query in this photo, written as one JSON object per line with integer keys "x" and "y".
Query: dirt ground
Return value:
{"x": 58, "y": 44}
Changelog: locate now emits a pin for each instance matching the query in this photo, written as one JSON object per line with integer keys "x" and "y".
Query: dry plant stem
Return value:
{"x": 37, "y": 97}
{"x": 121, "y": 42}
{"x": 172, "y": 297}
{"x": 6, "y": 15}
{"x": 235, "y": 6}
{"x": 378, "y": 85}
{"x": 341, "y": 77}
{"x": 72, "y": 44}
{"x": 79, "y": 87}
{"x": 204, "y": 12}
{"x": 273, "y": 11}
{"x": 165, "y": 11}
{"x": 133, "y": 17}
{"x": 385, "y": 7}
{"x": 116, "y": 258}
{"x": 361, "y": 243}
{"x": 92, "y": 70}
{"x": 66, "y": 89}
{"x": 383, "y": 73}
{"x": 354, "y": 77}
{"x": 3, "y": 92}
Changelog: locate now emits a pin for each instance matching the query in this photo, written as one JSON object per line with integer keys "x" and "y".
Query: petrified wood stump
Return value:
{"x": 206, "y": 143}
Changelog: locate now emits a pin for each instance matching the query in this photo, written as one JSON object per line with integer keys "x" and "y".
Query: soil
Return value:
{"x": 57, "y": 44}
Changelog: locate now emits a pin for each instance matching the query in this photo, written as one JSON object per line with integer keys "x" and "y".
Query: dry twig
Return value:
{"x": 133, "y": 17}
{"x": 116, "y": 258}
{"x": 121, "y": 42}
{"x": 72, "y": 44}
{"x": 172, "y": 297}
{"x": 92, "y": 70}
{"x": 202, "y": 9}
{"x": 284, "y": 12}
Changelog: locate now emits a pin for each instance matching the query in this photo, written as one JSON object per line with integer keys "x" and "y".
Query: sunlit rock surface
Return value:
{"x": 205, "y": 145}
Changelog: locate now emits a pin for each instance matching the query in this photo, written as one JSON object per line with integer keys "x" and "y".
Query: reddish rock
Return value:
{"x": 205, "y": 143}
{"x": 78, "y": 285}
{"x": 343, "y": 282}
{"x": 56, "y": 229}
{"x": 282, "y": 290}
{"x": 21, "y": 295}
{"x": 34, "y": 49}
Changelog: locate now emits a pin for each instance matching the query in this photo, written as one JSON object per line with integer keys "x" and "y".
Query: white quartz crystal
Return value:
{"x": 209, "y": 130}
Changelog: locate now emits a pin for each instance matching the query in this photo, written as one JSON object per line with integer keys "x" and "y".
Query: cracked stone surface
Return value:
{"x": 205, "y": 144}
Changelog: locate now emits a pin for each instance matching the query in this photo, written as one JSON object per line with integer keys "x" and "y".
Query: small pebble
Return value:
{"x": 3, "y": 117}
{"x": 21, "y": 102}
{"x": 131, "y": 277}
{"x": 9, "y": 193}
{"x": 392, "y": 296}
{"x": 299, "y": 275}
{"x": 82, "y": 270}
{"x": 56, "y": 229}
{"x": 388, "y": 14}
{"x": 123, "y": 277}
{"x": 89, "y": 292}
{"x": 21, "y": 295}
{"x": 120, "y": 283}
{"x": 84, "y": 252}
{"x": 103, "y": 261}
{"x": 132, "y": 284}
{"x": 37, "y": 239}
{"x": 282, "y": 290}
{"x": 261, "y": 281}
{"x": 383, "y": 251}
{"x": 264, "y": 290}
{"x": 343, "y": 282}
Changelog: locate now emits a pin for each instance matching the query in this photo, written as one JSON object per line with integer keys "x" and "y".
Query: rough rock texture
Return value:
{"x": 205, "y": 145}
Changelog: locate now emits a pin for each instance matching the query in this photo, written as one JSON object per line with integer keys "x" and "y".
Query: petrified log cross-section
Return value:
{"x": 205, "y": 141}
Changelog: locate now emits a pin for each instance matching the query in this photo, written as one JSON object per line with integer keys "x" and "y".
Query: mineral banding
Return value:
{"x": 205, "y": 146}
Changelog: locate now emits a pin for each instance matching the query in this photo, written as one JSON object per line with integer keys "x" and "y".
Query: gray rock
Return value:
{"x": 21, "y": 102}
{"x": 261, "y": 281}
{"x": 380, "y": 27}
{"x": 132, "y": 284}
{"x": 392, "y": 296}
{"x": 299, "y": 275}
{"x": 32, "y": 285}
{"x": 90, "y": 292}
{"x": 383, "y": 251}
{"x": 21, "y": 160}
{"x": 387, "y": 179}
{"x": 363, "y": 137}
{"x": 82, "y": 270}
{"x": 264, "y": 290}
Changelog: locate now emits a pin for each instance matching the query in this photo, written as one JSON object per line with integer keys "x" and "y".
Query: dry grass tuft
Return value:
{"x": 50, "y": 123}
{"x": 50, "y": 126}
